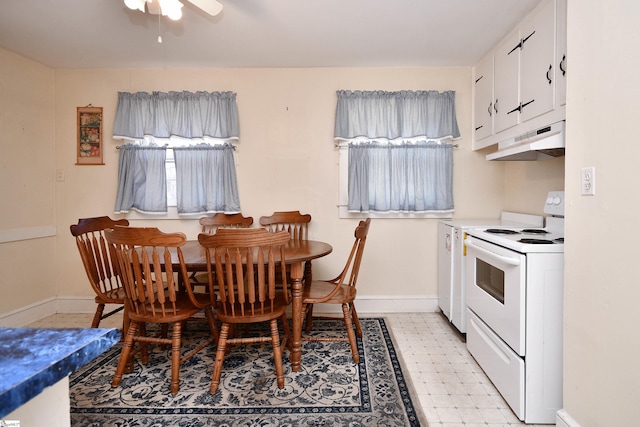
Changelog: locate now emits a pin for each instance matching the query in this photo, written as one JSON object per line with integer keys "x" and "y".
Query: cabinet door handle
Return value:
{"x": 518, "y": 46}
{"x": 525, "y": 104}
{"x": 495, "y": 106}
{"x": 526, "y": 38}
{"x": 562, "y": 63}
{"x": 489, "y": 109}
{"x": 518, "y": 109}
{"x": 548, "y": 71}
{"x": 521, "y": 43}
{"x": 479, "y": 127}
{"x": 479, "y": 78}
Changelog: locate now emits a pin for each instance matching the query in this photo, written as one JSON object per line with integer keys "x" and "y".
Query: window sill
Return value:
{"x": 171, "y": 214}
{"x": 344, "y": 213}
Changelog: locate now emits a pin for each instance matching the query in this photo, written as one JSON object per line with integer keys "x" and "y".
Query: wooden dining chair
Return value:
{"x": 152, "y": 296}
{"x": 210, "y": 224}
{"x": 296, "y": 224}
{"x": 99, "y": 265}
{"x": 244, "y": 262}
{"x": 341, "y": 290}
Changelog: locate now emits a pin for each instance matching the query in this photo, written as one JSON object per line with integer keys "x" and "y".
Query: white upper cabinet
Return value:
{"x": 561, "y": 52}
{"x": 483, "y": 92}
{"x": 537, "y": 59}
{"x": 528, "y": 81}
{"x": 506, "y": 80}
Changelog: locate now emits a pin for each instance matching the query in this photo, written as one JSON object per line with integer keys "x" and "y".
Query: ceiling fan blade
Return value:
{"x": 212, "y": 7}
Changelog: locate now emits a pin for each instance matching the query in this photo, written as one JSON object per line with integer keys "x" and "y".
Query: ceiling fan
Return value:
{"x": 173, "y": 8}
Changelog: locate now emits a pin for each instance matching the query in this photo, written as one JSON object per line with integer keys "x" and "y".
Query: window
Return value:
{"x": 395, "y": 154}
{"x": 178, "y": 152}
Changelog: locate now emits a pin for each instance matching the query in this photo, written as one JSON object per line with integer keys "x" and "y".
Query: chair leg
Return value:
{"x": 124, "y": 354}
{"x": 287, "y": 332}
{"x": 144, "y": 347}
{"x": 125, "y": 321}
{"x": 175, "y": 357}
{"x": 308, "y": 322}
{"x": 277, "y": 353}
{"x": 217, "y": 366}
{"x": 212, "y": 324}
{"x": 356, "y": 321}
{"x": 98, "y": 316}
{"x": 350, "y": 333}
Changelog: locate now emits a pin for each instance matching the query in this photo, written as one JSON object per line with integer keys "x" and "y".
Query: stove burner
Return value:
{"x": 534, "y": 231}
{"x": 536, "y": 241}
{"x": 501, "y": 231}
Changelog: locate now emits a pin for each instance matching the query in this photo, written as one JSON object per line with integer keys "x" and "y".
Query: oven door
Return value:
{"x": 496, "y": 290}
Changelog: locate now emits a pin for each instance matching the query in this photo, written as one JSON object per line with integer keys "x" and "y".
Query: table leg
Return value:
{"x": 296, "y": 314}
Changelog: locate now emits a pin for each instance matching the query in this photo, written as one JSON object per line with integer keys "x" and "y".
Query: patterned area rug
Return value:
{"x": 330, "y": 390}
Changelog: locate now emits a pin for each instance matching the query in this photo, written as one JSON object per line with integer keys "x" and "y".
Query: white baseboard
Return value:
{"x": 25, "y": 315}
{"x": 563, "y": 419}
{"x": 364, "y": 304}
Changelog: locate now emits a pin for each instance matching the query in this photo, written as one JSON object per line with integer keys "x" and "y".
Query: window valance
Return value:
{"x": 182, "y": 114}
{"x": 391, "y": 115}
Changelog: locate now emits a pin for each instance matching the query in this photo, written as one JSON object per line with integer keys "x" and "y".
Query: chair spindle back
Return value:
{"x": 295, "y": 223}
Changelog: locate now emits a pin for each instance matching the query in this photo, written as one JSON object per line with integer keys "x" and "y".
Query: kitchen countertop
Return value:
{"x": 32, "y": 359}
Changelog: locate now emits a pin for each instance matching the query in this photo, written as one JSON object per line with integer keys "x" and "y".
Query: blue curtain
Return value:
{"x": 205, "y": 176}
{"x": 392, "y": 115}
{"x": 206, "y": 179}
{"x": 184, "y": 114}
{"x": 386, "y": 172}
{"x": 142, "y": 180}
{"x": 406, "y": 177}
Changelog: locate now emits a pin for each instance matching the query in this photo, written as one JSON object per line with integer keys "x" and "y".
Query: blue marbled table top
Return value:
{"x": 32, "y": 359}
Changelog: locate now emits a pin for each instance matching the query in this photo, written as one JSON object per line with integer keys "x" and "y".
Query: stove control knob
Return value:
{"x": 557, "y": 200}
{"x": 550, "y": 201}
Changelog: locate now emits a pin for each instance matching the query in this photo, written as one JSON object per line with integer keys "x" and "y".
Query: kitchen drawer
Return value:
{"x": 501, "y": 364}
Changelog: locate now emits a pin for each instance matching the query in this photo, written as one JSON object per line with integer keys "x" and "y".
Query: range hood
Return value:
{"x": 542, "y": 143}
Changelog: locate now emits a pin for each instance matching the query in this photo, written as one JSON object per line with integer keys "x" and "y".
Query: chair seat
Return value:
{"x": 113, "y": 296}
{"x": 184, "y": 310}
{"x": 238, "y": 317}
{"x": 318, "y": 289}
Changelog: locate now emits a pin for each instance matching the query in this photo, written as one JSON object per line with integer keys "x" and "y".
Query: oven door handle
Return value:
{"x": 506, "y": 260}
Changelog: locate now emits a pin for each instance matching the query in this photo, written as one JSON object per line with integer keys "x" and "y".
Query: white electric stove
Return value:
{"x": 549, "y": 239}
{"x": 514, "y": 284}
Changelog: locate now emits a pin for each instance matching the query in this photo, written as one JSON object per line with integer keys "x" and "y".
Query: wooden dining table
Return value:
{"x": 297, "y": 253}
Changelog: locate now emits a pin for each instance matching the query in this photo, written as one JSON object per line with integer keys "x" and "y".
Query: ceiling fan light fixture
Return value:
{"x": 135, "y": 4}
{"x": 171, "y": 9}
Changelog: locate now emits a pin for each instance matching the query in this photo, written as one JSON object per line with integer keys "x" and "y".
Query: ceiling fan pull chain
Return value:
{"x": 159, "y": 36}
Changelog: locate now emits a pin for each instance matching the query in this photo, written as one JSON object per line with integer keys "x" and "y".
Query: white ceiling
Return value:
{"x": 259, "y": 33}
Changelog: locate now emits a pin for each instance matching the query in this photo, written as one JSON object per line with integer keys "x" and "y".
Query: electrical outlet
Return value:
{"x": 588, "y": 181}
{"x": 59, "y": 175}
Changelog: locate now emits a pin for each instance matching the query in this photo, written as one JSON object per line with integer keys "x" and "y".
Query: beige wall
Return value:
{"x": 27, "y": 153}
{"x": 286, "y": 160}
{"x": 602, "y": 289}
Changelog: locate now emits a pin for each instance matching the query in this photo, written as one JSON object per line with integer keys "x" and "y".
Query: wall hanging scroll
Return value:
{"x": 89, "y": 147}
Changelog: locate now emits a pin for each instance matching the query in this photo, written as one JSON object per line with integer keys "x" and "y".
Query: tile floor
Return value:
{"x": 452, "y": 389}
